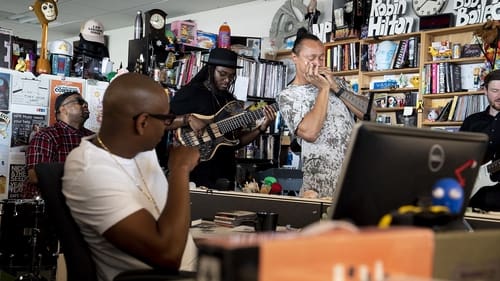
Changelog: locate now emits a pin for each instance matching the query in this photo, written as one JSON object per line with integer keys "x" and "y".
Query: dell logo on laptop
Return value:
{"x": 436, "y": 158}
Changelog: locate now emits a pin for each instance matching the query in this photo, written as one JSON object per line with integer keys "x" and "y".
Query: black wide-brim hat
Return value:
{"x": 223, "y": 57}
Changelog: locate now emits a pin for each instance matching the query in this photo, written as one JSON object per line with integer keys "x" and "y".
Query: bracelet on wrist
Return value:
{"x": 262, "y": 131}
{"x": 339, "y": 92}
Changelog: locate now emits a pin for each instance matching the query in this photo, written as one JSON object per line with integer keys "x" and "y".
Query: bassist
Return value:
{"x": 209, "y": 91}
{"x": 488, "y": 197}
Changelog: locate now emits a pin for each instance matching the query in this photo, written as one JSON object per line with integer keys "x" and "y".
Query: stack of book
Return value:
{"x": 234, "y": 218}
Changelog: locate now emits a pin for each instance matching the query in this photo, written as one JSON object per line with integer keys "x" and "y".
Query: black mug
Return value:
{"x": 266, "y": 221}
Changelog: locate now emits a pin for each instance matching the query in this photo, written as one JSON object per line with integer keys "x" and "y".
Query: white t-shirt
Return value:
{"x": 100, "y": 193}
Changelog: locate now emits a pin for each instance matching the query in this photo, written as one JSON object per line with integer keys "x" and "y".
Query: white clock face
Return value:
{"x": 157, "y": 21}
{"x": 428, "y": 7}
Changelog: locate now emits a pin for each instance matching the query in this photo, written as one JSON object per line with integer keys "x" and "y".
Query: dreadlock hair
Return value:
{"x": 302, "y": 34}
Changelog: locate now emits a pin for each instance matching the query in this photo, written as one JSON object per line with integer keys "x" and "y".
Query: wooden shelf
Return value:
{"x": 450, "y": 95}
{"x": 390, "y": 37}
{"x": 346, "y": 72}
{"x": 441, "y": 123}
{"x": 459, "y": 60}
{"x": 389, "y": 109}
{"x": 391, "y": 71}
{"x": 390, "y": 90}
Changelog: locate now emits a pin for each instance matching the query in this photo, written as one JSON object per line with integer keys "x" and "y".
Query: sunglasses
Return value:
{"x": 80, "y": 101}
{"x": 167, "y": 118}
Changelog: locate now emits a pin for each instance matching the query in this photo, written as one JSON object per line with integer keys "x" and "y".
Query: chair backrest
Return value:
{"x": 79, "y": 263}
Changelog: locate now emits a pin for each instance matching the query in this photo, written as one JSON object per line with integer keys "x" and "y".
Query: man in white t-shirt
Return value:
{"x": 131, "y": 215}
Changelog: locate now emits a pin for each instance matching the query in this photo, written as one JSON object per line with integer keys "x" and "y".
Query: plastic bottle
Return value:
{"x": 138, "y": 25}
{"x": 27, "y": 60}
{"x": 224, "y": 38}
{"x": 289, "y": 157}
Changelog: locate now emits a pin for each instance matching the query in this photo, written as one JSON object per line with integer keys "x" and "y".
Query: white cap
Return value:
{"x": 92, "y": 30}
{"x": 61, "y": 47}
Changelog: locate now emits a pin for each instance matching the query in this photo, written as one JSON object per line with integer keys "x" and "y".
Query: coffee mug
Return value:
{"x": 266, "y": 221}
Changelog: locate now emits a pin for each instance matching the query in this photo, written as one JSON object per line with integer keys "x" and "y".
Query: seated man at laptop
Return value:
{"x": 488, "y": 197}
{"x": 130, "y": 215}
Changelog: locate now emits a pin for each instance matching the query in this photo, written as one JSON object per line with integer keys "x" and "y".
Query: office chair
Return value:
{"x": 79, "y": 263}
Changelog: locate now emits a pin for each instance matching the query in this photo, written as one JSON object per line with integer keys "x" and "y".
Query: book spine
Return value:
{"x": 402, "y": 54}
{"x": 441, "y": 85}
{"x": 411, "y": 52}
{"x": 457, "y": 78}
{"x": 434, "y": 78}
{"x": 452, "y": 108}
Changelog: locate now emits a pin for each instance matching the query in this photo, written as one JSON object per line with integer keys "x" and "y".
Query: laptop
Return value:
{"x": 387, "y": 167}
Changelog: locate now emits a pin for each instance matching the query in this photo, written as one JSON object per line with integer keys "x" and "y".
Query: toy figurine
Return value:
{"x": 449, "y": 192}
{"x": 21, "y": 65}
{"x": 46, "y": 11}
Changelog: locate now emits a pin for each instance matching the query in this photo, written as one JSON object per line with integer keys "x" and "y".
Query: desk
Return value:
{"x": 294, "y": 211}
{"x": 483, "y": 220}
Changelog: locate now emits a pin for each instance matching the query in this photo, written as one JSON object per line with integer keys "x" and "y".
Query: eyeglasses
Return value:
{"x": 225, "y": 75}
{"x": 80, "y": 101}
{"x": 167, "y": 118}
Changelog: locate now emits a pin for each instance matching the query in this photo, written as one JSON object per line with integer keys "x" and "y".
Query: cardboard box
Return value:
{"x": 185, "y": 32}
{"x": 467, "y": 256}
{"x": 206, "y": 40}
{"x": 312, "y": 254}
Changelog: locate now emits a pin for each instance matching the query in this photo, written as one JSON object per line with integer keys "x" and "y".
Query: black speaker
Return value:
{"x": 436, "y": 21}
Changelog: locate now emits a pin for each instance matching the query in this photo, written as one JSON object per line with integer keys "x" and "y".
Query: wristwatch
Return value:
{"x": 339, "y": 93}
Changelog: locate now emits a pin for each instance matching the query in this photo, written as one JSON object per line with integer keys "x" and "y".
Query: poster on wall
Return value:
{"x": 4, "y": 152}
{"x": 4, "y": 90}
{"x": 17, "y": 175}
{"x": 4, "y": 171}
{"x": 58, "y": 87}
{"x": 29, "y": 94}
{"x": 24, "y": 127}
{"x": 93, "y": 95}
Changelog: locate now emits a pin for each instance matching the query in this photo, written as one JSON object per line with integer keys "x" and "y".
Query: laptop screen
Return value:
{"x": 387, "y": 167}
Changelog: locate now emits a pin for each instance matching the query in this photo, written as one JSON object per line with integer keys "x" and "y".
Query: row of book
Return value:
{"x": 459, "y": 107}
{"x": 343, "y": 57}
{"x": 186, "y": 68}
{"x": 389, "y": 54}
{"x": 265, "y": 78}
{"x": 443, "y": 77}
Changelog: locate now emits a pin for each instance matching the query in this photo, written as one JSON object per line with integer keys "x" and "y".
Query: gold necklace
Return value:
{"x": 145, "y": 191}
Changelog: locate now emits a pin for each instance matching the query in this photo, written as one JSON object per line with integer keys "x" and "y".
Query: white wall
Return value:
{"x": 250, "y": 19}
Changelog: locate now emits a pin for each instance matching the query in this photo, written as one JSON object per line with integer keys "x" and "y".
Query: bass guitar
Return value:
{"x": 484, "y": 175}
{"x": 228, "y": 119}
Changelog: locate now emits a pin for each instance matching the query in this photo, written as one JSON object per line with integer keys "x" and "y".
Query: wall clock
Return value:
{"x": 428, "y": 7}
{"x": 155, "y": 26}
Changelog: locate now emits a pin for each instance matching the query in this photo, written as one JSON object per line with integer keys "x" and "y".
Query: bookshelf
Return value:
{"x": 468, "y": 97}
{"x": 366, "y": 74}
